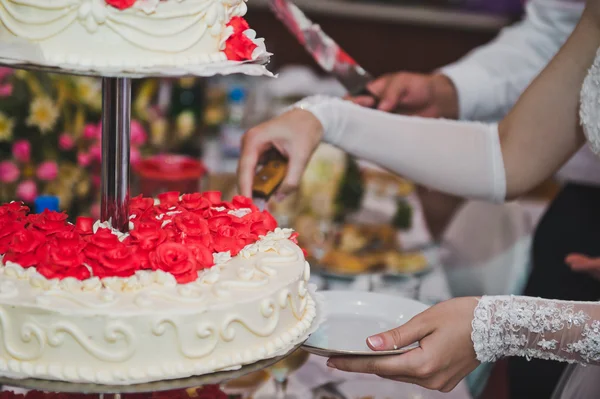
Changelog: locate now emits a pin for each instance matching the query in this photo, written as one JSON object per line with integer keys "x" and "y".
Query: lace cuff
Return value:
{"x": 536, "y": 328}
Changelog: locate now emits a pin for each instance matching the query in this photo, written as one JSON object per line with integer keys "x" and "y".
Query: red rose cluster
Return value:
{"x": 238, "y": 46}
{"x": 178, "y": 236}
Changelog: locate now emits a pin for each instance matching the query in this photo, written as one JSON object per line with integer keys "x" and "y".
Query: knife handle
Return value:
{"x": 270, "y": 176}
{"x": 366, "y": 93}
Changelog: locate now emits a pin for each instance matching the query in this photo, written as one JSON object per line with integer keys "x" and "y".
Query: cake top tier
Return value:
{"x": 175, "y": 235}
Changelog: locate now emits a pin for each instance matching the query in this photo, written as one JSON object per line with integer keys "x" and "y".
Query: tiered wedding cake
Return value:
{"x": 129, "y": 33}
{"x": 197, "y": 285}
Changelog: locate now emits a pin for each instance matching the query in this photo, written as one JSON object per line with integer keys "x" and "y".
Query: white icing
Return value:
{"x": 114, "y": 329}
{"x": 151, "y": 33}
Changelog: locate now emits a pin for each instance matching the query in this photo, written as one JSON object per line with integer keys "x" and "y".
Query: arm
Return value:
{"x": 456, "y": 335}
{"x": 490, "y": 79}
{"x": 536, "y": 328}
{"x": 468, "y": 159}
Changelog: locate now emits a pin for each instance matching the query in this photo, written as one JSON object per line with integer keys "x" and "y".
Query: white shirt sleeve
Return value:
{"x": 460, "y": 158}
{"x": 490, "y": 79}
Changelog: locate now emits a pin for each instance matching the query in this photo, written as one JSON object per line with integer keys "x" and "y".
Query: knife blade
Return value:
{"x": 268, "y": 178}
{"x": 324, "y": 50}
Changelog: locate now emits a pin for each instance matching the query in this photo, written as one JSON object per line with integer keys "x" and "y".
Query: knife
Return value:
{"x": 268, "y": 178}
{"x": 325, "y": 51}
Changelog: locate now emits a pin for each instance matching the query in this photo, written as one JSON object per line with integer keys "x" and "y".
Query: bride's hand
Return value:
{"x": 445, "y": 355}
{"x": 584, "y": 264}
{"x": 295, "y": 134}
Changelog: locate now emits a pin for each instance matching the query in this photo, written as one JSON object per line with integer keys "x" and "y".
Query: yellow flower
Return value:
{"x": 6, "y": 127}
{"x": 43, "y": 113}
{"x": 89, "y": 91}
{"x": 185, "y": 124}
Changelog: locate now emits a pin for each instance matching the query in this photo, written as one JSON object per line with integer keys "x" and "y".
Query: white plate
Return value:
{"x": 354, "y": 316}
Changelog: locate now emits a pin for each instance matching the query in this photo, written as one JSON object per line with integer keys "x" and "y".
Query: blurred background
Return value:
{"x": 367, "y": 231}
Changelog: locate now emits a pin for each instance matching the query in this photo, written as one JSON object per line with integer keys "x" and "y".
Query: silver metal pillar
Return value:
{"x": 116, "y": 123}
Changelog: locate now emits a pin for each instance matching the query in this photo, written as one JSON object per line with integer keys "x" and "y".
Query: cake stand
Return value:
{"x": 116, "y": 118}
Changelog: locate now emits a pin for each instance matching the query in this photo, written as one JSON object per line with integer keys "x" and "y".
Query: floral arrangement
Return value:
{"x": 177, "y": 236}
{"x": 50, "y": 134}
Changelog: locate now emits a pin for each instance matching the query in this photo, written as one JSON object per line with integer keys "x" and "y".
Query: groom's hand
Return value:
{"x": 432, "y": 96}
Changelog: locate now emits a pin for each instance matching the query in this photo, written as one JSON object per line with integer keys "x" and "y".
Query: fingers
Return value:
{"x": 582, "y": 263}
{"x": 396, "y": 89}
{"x": 364, "y": 101}
{"x": 387, "y": 366}
{"x": 296, "y": 165}
{"x": 407, "y": 334}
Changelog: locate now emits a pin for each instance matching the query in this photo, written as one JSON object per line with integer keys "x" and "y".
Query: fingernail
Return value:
{"x": 330, "y": 364}
{"x": 375, "y": 341}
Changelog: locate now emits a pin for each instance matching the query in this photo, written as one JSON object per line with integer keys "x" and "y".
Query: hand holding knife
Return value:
{"x": 324, "y": 50}
{"x": 268, "y": 178}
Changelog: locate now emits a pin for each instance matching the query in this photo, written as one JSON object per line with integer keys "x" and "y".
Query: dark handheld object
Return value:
{"x": 270, "y": 176}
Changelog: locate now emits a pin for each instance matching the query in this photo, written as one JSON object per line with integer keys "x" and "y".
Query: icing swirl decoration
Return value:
{"x": 29, "y": 335}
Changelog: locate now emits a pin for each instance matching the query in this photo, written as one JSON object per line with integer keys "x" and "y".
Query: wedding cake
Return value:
{"x": 129, "y": 33}
{"x": 197, "y": 285}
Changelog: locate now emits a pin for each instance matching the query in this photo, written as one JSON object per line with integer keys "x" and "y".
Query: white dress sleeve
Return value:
{"x": 536, "y": 328}
{"x": 490, "y": 79}
{"x": 460, "y": 158}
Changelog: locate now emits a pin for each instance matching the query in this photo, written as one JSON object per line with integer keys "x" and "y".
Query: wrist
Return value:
{"x": 445, "y": 96}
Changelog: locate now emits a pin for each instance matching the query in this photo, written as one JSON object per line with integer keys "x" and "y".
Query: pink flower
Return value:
{"x": 9, "y": 172}
{"x": 96, "y": 152}
{"x": 138, "y": 134}
{"x": 84, "y": 159}
{"x": 27, "y": 191}
{"x": 6, "y": 90}
{"x": 92, "y": 132}
{"x": 22, "y": 150}
{"x": 134, "y": 156}
{"x": 66, "y": 142}
{"x": 47, "y": 171}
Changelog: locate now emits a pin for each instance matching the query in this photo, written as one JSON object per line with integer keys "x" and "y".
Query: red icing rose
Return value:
{"x": 241, "y": 202}
{"x": 202, "y": 255}
{"x": 121, "y": 261}
{"x": 195, "y": 202}
{"x": 61, "y": 258}
{"x": 176, "y": 259}
{"x": 146, "y": 241}
{"x": 238, "y": 46}
{"x": 23, "y": 247}
{"x": 100, "y": 242}
{"x": 84, "y": 225}
{"x": 12, "y": 212}
{"x": 121, "y": 4}
{"x": 191, "y": 224}
{"x": 49, "y": 222}
{"x": 226, "y": 238}
{"x": 7, "y": 231}
{"x": 169, "y": 201}
{"x": 140, "y": 205}
{"x": 214, "y": 197}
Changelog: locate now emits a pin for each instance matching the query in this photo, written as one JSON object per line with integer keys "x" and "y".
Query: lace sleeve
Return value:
{"x": 460, "y": 158}
{"x": 536, "y": 328}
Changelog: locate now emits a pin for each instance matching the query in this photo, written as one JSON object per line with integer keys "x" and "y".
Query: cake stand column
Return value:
{"x": 116, "y": 123}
